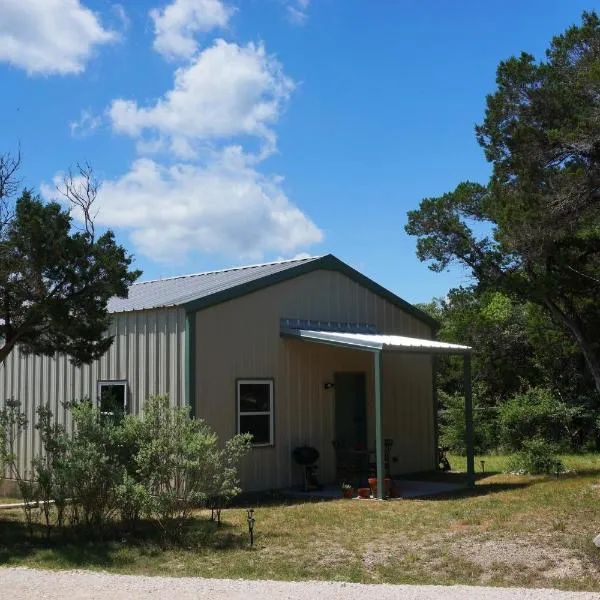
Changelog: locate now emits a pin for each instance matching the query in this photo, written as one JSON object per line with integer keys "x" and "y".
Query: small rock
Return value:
{"x": 597, "y": 540}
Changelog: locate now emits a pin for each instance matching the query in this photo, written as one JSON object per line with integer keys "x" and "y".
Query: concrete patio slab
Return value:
{"x": 406, "y": 489}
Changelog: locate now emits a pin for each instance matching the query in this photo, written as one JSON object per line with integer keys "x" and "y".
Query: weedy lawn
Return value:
{"x": 513, "y": 530}
{"x": 9, "y": 500}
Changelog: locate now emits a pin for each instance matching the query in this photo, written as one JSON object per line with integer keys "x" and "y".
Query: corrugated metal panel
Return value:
{"x": 375, "y": 341}
{"x": 240, "y": 339}
{"x": 148, "y": 351}
{"x": 174, "y": 291}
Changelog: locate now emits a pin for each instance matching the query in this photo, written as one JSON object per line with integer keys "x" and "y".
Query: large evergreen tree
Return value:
{"x": 541, "y": 206}
{"x": 55, "y": 279}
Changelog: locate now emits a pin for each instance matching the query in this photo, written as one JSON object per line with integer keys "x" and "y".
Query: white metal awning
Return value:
{"x": 376, "y": 342}
{"x": 331, "y": 334}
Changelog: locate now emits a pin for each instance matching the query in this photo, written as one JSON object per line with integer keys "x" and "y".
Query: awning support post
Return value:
{"x": 378, "y": 426}
{"x": 469, "y": 420}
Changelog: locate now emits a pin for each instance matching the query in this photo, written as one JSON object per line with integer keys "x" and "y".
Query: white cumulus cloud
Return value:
{"x": 119, "y": 12}
{"x": 176, "y": 25}
{"x": 196, "y": 185}
{"x": 223, "y": 207}
{"x": 297, "y": 11}
{"x": 85, "y": 125}
{"x": 227, "y": 91}
{"x": 46, "y": 37}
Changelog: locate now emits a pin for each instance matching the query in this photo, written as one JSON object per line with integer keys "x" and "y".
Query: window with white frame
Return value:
{"x": 112, "y": 398}
{"x": 255, "y": 409}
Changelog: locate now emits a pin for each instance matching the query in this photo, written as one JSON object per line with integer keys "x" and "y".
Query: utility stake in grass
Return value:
{"x": 251, "y": 521}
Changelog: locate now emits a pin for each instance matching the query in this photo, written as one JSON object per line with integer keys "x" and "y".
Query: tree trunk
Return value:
{"x": 591, "y": 358}
{"x": 590, "y": 353}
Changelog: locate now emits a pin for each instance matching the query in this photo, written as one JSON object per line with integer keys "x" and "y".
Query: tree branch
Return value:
{"x": 583, "y": 274}
{"x": 9, "y": 183}
{"x": 81, "y": 190}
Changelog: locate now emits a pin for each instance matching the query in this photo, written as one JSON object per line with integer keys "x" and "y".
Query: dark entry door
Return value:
{"x": 351, "y": 410}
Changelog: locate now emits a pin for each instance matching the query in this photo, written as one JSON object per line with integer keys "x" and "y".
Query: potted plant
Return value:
{"x": 347, "y": 490}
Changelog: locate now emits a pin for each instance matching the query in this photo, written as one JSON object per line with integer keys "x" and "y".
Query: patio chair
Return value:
{"x": 387, "y": 450}
{"x": 351, "y": 464}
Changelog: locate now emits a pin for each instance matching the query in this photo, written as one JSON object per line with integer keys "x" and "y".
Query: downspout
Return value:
{"x": 190, "y": 361}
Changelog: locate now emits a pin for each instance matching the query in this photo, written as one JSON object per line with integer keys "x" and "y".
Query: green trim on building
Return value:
{"x": 436, "y": 407}
{"x": 379, "y": 456}
{"x": 327, "y": 263}
{"x": 190, "y": 361}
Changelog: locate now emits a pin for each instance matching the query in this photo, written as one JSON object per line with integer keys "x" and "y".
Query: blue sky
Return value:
{"x": 236, "y": 131}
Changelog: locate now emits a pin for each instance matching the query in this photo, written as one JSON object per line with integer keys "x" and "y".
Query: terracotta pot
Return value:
{"x": 348, "y": 492}
{"x": 364, "y": 492}
{"x": 373, "y": 485}
{"x": 387, "y": 486}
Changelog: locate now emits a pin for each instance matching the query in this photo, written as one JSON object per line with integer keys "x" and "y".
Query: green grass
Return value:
{"x": 9, "y": 500}
{"x": 498, "y": 463}
{"x": 513, "y": 530}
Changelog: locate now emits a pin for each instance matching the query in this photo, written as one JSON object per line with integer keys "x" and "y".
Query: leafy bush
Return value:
{"x": 180, "y": 464}
{"x": 536, "y": 457}
{"x": 537, "y": 413}
{"x": 157, "y": 467}
{"x": 46, "y": 468}
{"x": 12, "y": 425}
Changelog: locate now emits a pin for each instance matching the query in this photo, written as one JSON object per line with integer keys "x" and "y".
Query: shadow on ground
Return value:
{"x": 453, "y": 486}
{"x": 76, "y": 547}
{"x": 485, "y": 484}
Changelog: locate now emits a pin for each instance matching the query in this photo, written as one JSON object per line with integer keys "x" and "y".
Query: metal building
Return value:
{"x": 300, "y": 352}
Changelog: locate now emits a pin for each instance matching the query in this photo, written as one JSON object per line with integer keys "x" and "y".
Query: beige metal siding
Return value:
{"x": 148, "y": 351}
{"x": 408, "y": 416}
{"x": 240, "y": 339}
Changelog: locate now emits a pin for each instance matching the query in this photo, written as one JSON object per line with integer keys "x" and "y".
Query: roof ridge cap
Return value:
{"x": 228, "y": 269}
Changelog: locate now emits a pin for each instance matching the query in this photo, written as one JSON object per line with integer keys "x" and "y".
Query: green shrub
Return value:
{"x": 537, "y": 413}
{"x": 180, "y": 464}
{"x": 12, "y": 425}
{"x": 133, "y": 500}
{"x": 536, "y": 457}
{"x": 158, "y": 467}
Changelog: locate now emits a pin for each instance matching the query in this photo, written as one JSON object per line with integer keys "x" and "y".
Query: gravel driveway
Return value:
{"x": 23, "y": 584}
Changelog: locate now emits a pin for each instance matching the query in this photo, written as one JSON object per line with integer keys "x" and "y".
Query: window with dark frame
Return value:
{"x": 112, "y": 398}
{"x": 255, "y": 410}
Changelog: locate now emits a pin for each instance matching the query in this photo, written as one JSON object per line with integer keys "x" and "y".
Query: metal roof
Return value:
{"x": 175, "y": 291}
{"x": 196, "y": 292}
{"x": 375, "y": 342}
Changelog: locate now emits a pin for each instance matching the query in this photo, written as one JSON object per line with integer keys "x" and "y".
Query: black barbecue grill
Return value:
{"x": 307, "y": 457}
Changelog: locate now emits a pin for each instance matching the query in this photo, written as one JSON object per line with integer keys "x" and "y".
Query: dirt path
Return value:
{"x": 23, "y": 584}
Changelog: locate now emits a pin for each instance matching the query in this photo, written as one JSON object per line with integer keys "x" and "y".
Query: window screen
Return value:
{"x": 255, "y": 410}
{"x": 112, "y": 397}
